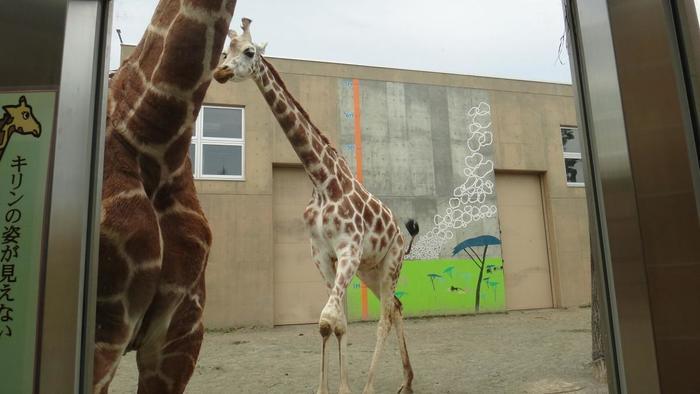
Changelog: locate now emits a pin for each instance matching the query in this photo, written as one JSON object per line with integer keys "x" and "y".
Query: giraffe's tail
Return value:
{"x": 412, "y": 227}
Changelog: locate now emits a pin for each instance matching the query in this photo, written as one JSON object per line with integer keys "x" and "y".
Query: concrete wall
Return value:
{"x": 414, "y": 143}
{"x": 525, "y": 122}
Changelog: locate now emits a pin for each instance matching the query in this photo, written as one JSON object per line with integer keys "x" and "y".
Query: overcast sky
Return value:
{"x": 516, "y": 39}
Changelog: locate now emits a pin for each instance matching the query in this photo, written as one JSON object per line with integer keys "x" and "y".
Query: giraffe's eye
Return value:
{"x": 225, "y": 56}
{"x": 25, "y": 115}
{"x": 249, "y": 52}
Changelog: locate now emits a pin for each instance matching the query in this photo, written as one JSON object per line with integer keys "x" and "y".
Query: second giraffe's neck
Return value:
{"x": 317, "y": 155}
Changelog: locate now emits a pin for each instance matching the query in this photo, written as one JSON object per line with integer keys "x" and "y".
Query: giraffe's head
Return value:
{"x": 21, "y": 118}
{"x": 243, "y": 57}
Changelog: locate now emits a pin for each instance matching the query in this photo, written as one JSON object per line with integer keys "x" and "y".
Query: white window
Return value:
{"x": 218, "y": 144}
{"x": 573, "y": 160}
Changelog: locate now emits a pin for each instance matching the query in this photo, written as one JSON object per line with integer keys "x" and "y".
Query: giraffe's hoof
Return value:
{"x": 405, "y": 389}
{"x": 344, "y": 390}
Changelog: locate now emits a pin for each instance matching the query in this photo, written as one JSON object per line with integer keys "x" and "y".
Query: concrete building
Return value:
{"x": 466, "y": 156}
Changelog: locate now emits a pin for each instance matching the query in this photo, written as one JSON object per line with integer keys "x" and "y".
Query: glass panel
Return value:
{"x": 570, "y": 140}
{"x": 223, "y": 123}
{"x": 222, "y": 160}
{"x": 574, "y": 170}
{"x": 192, "y": 156}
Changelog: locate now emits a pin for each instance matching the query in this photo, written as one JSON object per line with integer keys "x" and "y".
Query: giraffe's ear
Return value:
{"x": 261, "y": 48}
{"x": 22, "y": 100}
{"x": 232, "y": 34}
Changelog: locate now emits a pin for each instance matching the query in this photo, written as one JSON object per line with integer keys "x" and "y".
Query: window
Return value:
{"x": 573, "y": 161}
{"x": 218, "y": 144}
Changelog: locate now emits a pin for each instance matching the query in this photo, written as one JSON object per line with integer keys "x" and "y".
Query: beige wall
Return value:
{"x": 526, "y": 119}
{"x": 527, "y": 137}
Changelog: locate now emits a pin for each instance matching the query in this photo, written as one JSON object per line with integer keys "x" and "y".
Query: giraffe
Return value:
{"x": 154, "y": 237}
{"x": 352, "y": 232}
{"x": 17, "y": 119}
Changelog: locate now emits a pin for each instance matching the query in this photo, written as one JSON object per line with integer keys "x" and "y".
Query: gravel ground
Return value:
{"x": 543, "y": 351}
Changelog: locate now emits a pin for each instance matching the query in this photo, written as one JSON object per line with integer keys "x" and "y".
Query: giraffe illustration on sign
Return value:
{"x": 352, "y": 231}
{"x": 468, "y": 204}
{"x": 17, "y": 119}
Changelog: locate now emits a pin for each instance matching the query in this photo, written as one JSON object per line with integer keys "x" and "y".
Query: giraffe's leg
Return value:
{"x": 172, "y": 329}
{"x": 106, "y": 361}
{"x": 167, "y": 358}
{"x": 386, "y": 299}
{"x": 323, "y": 382}
{"x": 344, "y": 387}
{"x": 326, "y": 267}
{"x": 383, "y": 284}
{"x": 333, "y": 315}
{"x": 129, "y": 264}
{"x": 406, "y": 387}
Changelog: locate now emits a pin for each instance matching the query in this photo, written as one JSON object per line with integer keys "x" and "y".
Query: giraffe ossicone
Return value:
{"x": 352, "y": 232}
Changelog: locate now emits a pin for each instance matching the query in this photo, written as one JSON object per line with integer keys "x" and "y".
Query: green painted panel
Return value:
{"x": 438, "y": 287}
{"x": 26, "y": 127}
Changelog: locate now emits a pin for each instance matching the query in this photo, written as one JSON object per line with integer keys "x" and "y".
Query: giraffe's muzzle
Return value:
{"x": 223, "y": 74}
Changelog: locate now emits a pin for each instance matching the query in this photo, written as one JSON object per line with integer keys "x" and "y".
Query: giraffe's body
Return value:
{"x": 352, "y": 232}
{"x": 154, "y": 238}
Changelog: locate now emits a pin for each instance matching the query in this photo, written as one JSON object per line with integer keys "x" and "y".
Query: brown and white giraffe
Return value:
{"x": 352, "y": 232}
{"x": 154, "y": 238}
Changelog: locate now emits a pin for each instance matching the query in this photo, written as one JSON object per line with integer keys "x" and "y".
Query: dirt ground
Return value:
{"x": 545, "y": 351}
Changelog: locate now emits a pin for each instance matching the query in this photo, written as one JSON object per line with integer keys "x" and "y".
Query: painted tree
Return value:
{"x": 468, "y": 246}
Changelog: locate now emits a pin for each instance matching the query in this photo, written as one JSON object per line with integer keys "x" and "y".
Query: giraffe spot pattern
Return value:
{"x": 150, "y": 128}
{"x": 110, "y": 327}
{"x": 334, "y": 192}
{"x": 178, "y": 150}
{"x": 150, "y": 55}
{"x": 208, "y": 5}
{"x": 185, "y": 235}
{"x": 118, "y": 216}
{"x": 113, "y": 269}
{"x": 319, "y": 175}
{"x": 189, "y": 312}
{"x": 288, "y": 121}
{"x": 141, "y": 291}
{"x": 123, "y": 166}
{"x": 181, "y": 63}
{"x": 126, "y": 89}
{"x": 220, "y": 33}
{"x": 141, "y": 246}
{"x": 165, "y": 13}
{"x": 149, "y": 171}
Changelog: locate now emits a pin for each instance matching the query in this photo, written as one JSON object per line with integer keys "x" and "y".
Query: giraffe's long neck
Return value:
{"x": 320, "y": 160}
{"x": 158, "y": 91}
{"x": 5, "y": 132}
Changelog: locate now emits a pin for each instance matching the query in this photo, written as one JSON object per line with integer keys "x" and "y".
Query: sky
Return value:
{"x": 516, "y": 39}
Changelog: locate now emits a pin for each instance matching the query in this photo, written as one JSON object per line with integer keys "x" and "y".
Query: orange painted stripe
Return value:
{"x": 358, "y": 129}
{"x": 358, "y": 173}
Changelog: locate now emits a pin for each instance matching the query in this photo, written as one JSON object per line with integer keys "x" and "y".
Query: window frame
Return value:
{"x": 571, "y": 155}
{"x": 199, "y": 141}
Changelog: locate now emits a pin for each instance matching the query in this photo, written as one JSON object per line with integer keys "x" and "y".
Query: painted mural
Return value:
{"x": 426, "y": 151}
{"x": 438, "y": 287}
{"x": 469, "y": 201}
